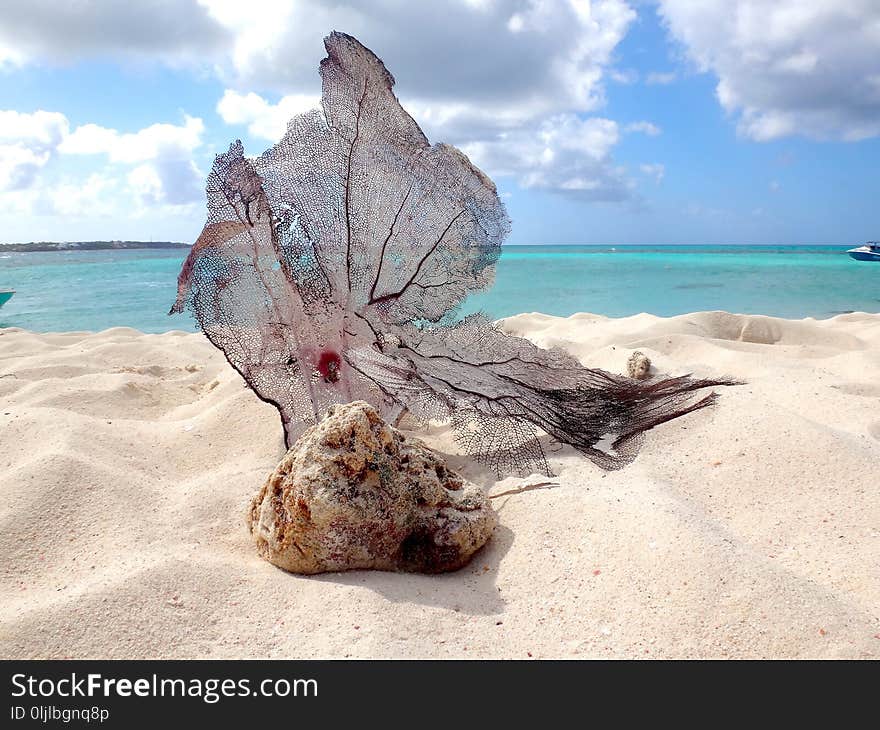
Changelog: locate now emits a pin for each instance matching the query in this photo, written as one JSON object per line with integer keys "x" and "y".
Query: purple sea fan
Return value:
{"x": 331, "y": 268}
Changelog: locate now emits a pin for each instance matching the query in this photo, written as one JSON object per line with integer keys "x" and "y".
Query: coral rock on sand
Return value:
{"x": 638, "y": 366}
{"x": 354, "y": 493}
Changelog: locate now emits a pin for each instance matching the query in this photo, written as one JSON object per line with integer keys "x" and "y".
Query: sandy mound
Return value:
{"x": 752, "y": 529}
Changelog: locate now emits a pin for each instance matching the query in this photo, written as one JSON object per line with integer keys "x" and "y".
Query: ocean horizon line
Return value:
{"x": 682, "y": 245}
{"x": 127, "y": 245}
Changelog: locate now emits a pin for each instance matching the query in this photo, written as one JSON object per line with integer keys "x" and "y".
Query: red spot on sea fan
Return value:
{"x": 328, "y": 365}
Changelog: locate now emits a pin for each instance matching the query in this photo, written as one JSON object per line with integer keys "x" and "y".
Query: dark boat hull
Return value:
{"x": 864, "y": 255}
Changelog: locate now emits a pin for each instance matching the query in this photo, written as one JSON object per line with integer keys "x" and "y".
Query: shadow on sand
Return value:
{"x": 471, "y": 590}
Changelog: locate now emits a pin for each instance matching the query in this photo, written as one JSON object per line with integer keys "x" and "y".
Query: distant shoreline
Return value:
{"x": 43, "y": 246}
{"x": 88, "y": 245}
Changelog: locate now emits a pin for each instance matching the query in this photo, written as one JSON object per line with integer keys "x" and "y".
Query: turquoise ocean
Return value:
{"x": 94, "y": 290}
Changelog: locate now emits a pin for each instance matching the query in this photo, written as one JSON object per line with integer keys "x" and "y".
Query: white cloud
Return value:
{"x": 787, "y": 67}
{"x": 439, "y": 52}
{"x": 475, "y": 73}
{"x": 182, "y": 181}
{"x": 27, "y": 143}
{"x": 660, "y": 78}
{"x": 165, "y": 174}
{"x": 563, "y": 153}
{"x": 43, "y": 128}
{"x": 9, "y": 58}
{"x": 19, "y": 166}
{"x": 624, "y": 76}
{"x": 48, "y": 30}
{"x": 93, "y": 197}
{"x": 264, "y": 120}
{"x": 480, "y": 75}
{"x": 654, "y": 170}
{"x": 146, "y": 184}
{"x": 652, "y": 130}
{"x": 146, "y": 144}
{"x": 509, "y": 82}
{"x": 90, "y": 139}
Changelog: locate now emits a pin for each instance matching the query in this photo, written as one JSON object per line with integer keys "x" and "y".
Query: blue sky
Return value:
{"x": 607, "y": 122}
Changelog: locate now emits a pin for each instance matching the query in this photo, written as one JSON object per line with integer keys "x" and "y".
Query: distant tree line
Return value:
{"x": 88, "y": 245}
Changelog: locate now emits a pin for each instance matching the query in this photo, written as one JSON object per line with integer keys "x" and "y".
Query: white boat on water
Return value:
{"x": 6, "y": 295}
{"x": 869, "y": 252}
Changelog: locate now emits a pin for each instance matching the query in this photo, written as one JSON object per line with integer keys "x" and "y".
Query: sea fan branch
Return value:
{"x": 286, "y": 278}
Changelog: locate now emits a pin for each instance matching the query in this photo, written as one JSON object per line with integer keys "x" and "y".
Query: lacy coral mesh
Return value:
{"x": 331, "y": 267}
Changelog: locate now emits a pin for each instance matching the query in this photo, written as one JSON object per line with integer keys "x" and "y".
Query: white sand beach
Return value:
{"x": 751, "y": 529}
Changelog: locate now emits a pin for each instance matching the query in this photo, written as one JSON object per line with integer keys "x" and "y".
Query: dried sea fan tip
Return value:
{"x": 331, "y": 267}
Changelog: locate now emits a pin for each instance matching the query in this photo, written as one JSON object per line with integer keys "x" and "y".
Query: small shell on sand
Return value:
{"x": 638, "y": 366}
